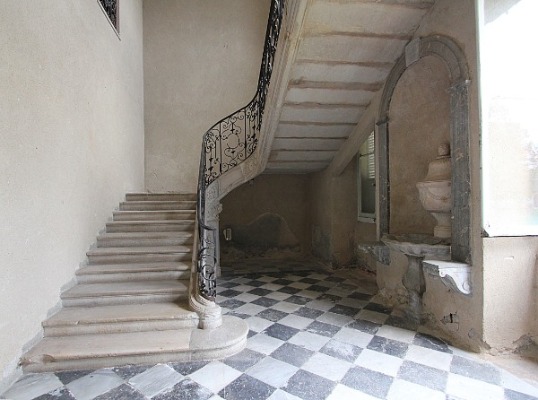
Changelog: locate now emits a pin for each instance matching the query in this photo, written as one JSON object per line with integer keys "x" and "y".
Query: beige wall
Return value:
{"x": 419, "y": 123}
{"x": 284, "y": 196}
{"x": 202, "y": 60}
{"x": 71, "y": 144}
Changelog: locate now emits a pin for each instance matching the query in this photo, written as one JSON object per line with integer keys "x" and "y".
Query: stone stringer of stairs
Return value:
{"x": 131, "y": 301}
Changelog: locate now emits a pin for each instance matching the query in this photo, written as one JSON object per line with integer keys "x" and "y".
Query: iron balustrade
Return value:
{"x": 226, "y": 145}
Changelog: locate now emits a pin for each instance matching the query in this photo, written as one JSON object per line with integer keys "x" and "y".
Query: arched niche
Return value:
{"x": 449, "y": 52}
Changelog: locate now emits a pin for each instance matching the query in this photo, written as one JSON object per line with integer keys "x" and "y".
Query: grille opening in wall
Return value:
{"x": 110, "y": 8}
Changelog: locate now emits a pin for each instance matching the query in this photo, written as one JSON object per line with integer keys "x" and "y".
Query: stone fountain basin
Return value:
{"x": 435, "y": 195}
{"x": 419, "y": 245}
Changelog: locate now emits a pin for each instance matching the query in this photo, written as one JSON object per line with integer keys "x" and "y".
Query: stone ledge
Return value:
{"x": 454, "y": 275}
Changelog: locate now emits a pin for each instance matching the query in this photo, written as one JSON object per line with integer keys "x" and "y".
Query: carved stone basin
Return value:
{"x": 419, "y": 245}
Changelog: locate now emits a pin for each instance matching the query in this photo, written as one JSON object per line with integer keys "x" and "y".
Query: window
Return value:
{"x": 110, "y": 7}
{"x": 366, "y": 180}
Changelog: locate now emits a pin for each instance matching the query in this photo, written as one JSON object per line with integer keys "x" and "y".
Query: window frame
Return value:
{"x": 361, "y": 215}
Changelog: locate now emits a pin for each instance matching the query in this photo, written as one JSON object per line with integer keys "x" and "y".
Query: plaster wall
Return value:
{"x": 201, "y": 63}
{"x": 277, "y": 209}
{"x": 456, "y": 19}
{"x": 419, "y": 123}
{"x": 71, "y": 145}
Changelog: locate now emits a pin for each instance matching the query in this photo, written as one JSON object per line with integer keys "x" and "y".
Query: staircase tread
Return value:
{"x": 120, "y": 313}
{"x": 133, "y": 267}
{"x": 93, "y": 346}
{"x": 128, "y": 288}
{"x": 145, "y": 235}
{"x": 154, "y": 221}
{"x": 139, "y": 250}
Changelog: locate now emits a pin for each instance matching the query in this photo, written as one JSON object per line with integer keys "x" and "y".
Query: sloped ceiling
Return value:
{"x": 346, "y": 50}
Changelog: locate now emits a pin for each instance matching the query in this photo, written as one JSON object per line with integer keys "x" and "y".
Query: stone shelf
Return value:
{"x": 454, "y": 275}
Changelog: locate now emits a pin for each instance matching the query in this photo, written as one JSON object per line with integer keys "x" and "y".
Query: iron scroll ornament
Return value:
{"x": 227, "y": 144}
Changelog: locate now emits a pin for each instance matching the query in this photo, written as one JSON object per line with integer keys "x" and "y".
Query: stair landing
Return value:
{"x": 130, "y": 303}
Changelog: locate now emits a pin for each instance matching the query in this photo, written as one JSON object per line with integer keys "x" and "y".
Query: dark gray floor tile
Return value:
{"x": 344, "y": 310}
{"x": 187, "y": 368}
{"x": 281, "y": 332}
{"x": 321, "y": 328}
{"x": 272, "y": 315}
{"x": 309, "y": 280}
{"x": 308, "y": 312}
{"x": 476, "y": 370}
{"x": 246, "y": 388}
{"x": 309, "y": 386}
{"x": 388, "y": 346}
{"x": 259, "y": 292}
{"x": 513, "y": 395}
{"x": 58, "y": 394}
{"x": 229, "y": 293}
{"x": 300, "y": 300}
{"x": 360, "y": 296}
{"x": 424, "y": 340}
{"x": 365, "y": 326}
{"x": 244, "y": 360}
{"x": 123, "y": 392}
{"x": 318, "y": 288}
{"x": 70, "y": 376}
{"x": 368, "y": 381}
{"x": 187, "y": 389}
{"x": 330, "y": 298}
{"x": 232, "y": 304}
{"x": 380, "y": 308}
{"x": 341, "y": 350}
{"x": 265, "y": 302}
{"x": 403, "y": 323}
{"x": 292, "y": 354}
{"x": 281, "y": 281}
{"x": 289, "y": 290}
{"x": 423, "y": 375}
{"x": 128, "y": 371}
{"x": 255, "y": 283}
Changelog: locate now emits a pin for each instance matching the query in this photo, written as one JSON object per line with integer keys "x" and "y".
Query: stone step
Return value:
{"x": 157, "y": 205}
{"x": 174, "y": 215}
{"x": 150, "y": 226}
{"x": 126, "y": 255}
{"x": 160, "y": 197}
{"x": 114, "y": 293}
{"x": 95, "y": 351}
{"x": 120, "y": 319}
{"x": 144, "y": 239}
{"x": 97, "y": 273}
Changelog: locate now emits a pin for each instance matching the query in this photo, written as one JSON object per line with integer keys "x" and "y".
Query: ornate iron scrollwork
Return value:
{"x": 227, "y": 144}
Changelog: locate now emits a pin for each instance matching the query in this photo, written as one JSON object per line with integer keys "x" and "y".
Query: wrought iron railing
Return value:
{"x": 227, "y": 144}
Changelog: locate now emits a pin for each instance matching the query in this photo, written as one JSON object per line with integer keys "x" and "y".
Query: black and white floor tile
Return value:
{"x": 314, "y": 335}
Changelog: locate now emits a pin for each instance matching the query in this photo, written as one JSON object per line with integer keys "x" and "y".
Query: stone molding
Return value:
{"x": 456, "y": 276}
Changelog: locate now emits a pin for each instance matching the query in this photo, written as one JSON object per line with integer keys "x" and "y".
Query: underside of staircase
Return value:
{"x": 131, "y": 301}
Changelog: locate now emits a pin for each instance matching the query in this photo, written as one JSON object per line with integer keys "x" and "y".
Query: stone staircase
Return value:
{"x": 131, "y": 301}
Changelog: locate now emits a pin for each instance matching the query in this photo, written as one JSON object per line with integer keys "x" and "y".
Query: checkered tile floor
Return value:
{"x": 313, "y": 335}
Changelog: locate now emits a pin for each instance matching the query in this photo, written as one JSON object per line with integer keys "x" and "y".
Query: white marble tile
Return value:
{"x": 392, "y": 332}
{"x": 267, "y": 278}
{"x": 155, "y": 380}
{"x": 215, "y": 397}
{"x": 309, "y": 340}
{"x": 272, "y": 286}
{"x": 472, "y": 389}
{"x": 246, "y": 297}
{"x": 354, "y": 337}
{"x": 278, "y": 296}
{"x": 429, "y": 357}
{"x": 376, "y": 361}
{"x": 286, "y": 307}
{"x": 258, "y": 324}
{"x": 94, "y": 384}
{"x": 341, "y": 392}
{"x": 293, "y": 278}
{"x": 327, "y": 366}
{"x": 273, "y": 372}
{"x": 404, "y": 390}
{"x": 299, "y": 285}
{"x": 295, "y": 321}
{"x": 249, "y": 309}
{"x": 322, "y": 305}
{"x": 215, "y": 376}
{"x": 32, "y": 385}
{"x": 243, "y": 288}
{"x": 372, "y": 316}
{"x": 335, "y": 319}
{"x": 282, "y": 395}
{"x": 310, "y": 294}
{"x": 512, "y": 382}
{"x": 264, "y": 344}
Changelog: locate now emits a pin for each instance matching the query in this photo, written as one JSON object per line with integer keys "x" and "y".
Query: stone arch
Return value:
{"x": 454, "y": 59}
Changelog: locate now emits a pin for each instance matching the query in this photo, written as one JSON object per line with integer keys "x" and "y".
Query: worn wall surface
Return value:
{"x": 71, "y": 145}
{"x": 201, "y": 63}
{"x": 419, "y": 123}
{"x": 270, "y": 212}
{"x": 457, "y": 20}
